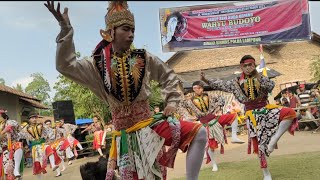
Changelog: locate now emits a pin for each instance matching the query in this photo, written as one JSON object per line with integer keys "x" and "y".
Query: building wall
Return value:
{"x": 11, "y": 103}
{"x": 14, "y": 106}
{"x": 292, "y": 61}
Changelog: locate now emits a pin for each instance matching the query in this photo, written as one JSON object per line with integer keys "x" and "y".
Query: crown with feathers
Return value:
{"x": 117, "y": 15}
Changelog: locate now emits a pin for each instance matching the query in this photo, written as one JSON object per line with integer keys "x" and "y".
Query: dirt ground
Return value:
{"x": 301, "y": 142}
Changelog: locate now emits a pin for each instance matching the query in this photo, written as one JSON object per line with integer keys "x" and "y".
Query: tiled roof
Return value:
{"x": 10, "y": 90}
{"x": 23, "y": 96}
{"x": 34, "y": 103}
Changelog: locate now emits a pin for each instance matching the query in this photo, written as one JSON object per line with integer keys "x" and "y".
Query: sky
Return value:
{"x": 28, "y": 32}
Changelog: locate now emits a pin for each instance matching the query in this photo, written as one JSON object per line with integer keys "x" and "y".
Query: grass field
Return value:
{"x": 303, "y": 166}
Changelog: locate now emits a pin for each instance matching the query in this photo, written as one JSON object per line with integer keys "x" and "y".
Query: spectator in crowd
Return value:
{"x": 304, "y": 96}
{"x": 317, "y": 93}
{"x": 285, "y": 102}
{"x": 314, "y": 101}
{"x": 293, "y": 100}
{"x": 306, "y": 115}
{"x": 284, "y": 99}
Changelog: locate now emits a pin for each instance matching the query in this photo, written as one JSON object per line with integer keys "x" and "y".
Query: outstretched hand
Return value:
{"x": 63, "y": 18}
{"x": 203, "y": 77}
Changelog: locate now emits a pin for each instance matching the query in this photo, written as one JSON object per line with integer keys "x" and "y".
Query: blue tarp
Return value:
{"x": 83, "y": 121}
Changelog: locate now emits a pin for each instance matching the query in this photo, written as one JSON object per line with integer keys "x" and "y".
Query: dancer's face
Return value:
{"x": 95, "y": 120}
{"x": 156, "y": 110}
{"x": 247, "y": 68}
{"x": 123, "y": 36}
{"x": 58, "y": 124}
{"x": 33, "y": 120}
{"x": 48, "y": 124}
{"x": 198, "y": 89}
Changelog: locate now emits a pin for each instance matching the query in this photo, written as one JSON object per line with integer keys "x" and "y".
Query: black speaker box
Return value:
{"x": 64, "y": 110}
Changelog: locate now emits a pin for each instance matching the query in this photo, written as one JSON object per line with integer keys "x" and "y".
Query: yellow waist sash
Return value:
{"x": 136, "y": 127}
{"x": 250, "y": 115}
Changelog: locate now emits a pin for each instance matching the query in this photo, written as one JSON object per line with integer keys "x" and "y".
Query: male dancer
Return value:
{"x": 206, "y": 108}
{"x": 60, "y": 144}
{"x": 11, "y": 148}
{"x": 70, "y": 128}
{"x": 97, "y": 127}
{"x": 266, "y": 122}
{"x": 121, "y": 77}
{"x": 37, "y": 134}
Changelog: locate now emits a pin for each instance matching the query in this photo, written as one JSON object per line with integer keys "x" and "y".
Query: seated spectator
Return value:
{"x": 306, "y": 115}
{"x": 314, "y": 101}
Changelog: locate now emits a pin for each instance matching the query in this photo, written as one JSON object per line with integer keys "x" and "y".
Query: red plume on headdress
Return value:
{"x": 117, "y": 6}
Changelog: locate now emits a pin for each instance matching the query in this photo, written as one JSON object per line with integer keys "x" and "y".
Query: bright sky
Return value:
{"x": 28, "y": 31}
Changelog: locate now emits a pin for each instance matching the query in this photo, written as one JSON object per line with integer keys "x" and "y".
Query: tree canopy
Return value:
{"x": 2, "y": 81}
{"x": 315, "y": 67}
{"x": 39, "y": 87}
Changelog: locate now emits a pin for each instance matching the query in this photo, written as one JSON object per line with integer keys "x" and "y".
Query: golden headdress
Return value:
{"x": 117, "y": 15}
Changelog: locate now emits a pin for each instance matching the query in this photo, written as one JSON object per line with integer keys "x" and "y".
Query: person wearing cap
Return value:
{"x": 11, "y": 155}
{"x": 304, "y": 96}
{"x": 38, "y": 134}
{"x": 121, "y": 77}
{"x": 70, "y": 128}
{"x": 206, "y": 107}
{"x": 266, "y": 122}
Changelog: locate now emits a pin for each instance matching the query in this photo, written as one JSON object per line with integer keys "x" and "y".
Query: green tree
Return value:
{"x": 39, "y": 87}
{"x": 315, "y": 68}
{"x": 85, "y": 103}
{"x": 18, "y": 87}
{"x": 2, "y": 81}
{"x": 156, "y": 98}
